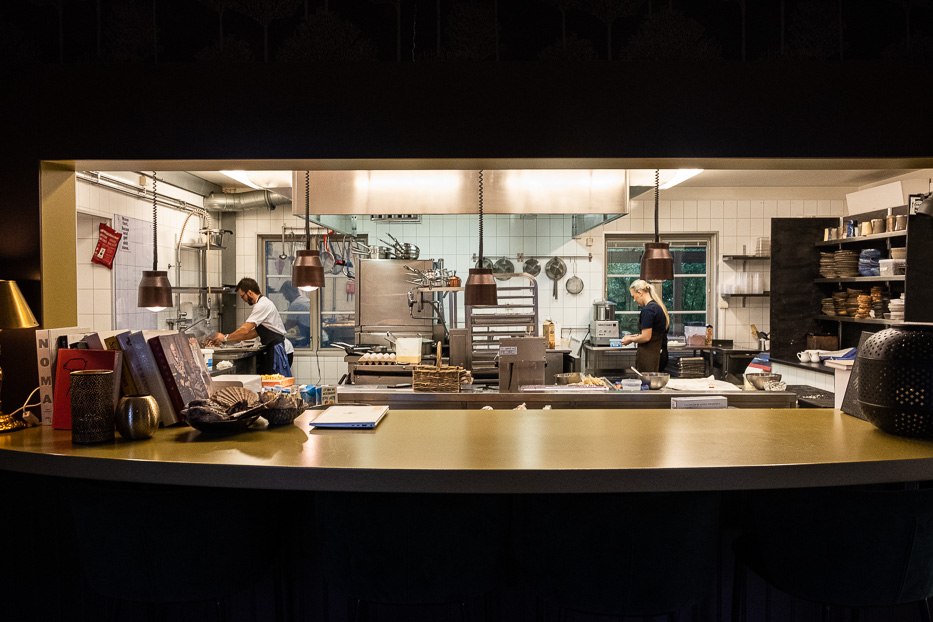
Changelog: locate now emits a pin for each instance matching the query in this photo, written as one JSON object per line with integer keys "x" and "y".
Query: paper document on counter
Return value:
{"x": 350, "y": 417}
{"x": 701, "y": 384}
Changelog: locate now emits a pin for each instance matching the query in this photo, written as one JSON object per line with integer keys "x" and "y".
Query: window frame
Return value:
{"x": 712, "y": 254}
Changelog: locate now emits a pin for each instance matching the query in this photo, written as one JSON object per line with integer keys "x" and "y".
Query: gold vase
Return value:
{"x": 137, "y": 417}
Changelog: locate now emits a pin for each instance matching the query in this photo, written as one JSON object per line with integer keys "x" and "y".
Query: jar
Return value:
{"x": 137, "y": 416}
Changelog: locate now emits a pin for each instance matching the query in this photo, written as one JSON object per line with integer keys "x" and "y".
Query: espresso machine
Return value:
{"x": 604, "y": 326}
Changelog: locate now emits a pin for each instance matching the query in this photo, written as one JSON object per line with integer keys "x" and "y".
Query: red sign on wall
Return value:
{"x": 107, "y": 242}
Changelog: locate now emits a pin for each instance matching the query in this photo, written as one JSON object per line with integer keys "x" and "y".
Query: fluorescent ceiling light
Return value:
{"x": 681, "y": 175}
{"x": 409, "y": 180}
{"x": 241, "y": 177}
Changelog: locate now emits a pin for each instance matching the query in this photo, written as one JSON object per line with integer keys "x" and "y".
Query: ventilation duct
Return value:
{"x": 242, "y": 201}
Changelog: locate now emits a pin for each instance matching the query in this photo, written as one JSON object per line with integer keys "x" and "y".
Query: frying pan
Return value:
{"x": 574, "y": 283}
{"x": 555, "y": 270}
{"x": 532, "y": 266}
{"x": 503, "y": 266}
{"x": 487, "y": 263}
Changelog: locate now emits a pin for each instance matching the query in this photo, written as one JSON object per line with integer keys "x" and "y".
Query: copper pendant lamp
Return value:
{"x": 308, "y": 271}
{"x": 480, "y": 288}
{"x": 155, "y": 290}
{"x": 657, "y": 264}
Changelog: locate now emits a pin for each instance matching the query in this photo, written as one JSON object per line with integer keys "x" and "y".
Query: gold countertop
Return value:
{"x": 590, "y": 450}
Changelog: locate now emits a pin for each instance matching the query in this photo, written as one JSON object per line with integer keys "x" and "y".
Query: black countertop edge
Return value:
{"x": 818, "y": 367}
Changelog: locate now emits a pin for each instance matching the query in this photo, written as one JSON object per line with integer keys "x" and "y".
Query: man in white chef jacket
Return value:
{"x": 264, "y": 322}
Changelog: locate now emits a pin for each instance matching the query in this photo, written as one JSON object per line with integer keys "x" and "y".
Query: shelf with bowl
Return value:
{"x": 864, "y": 238}
{"x": 863, "y": 279}
{"x": 856, "y": 320}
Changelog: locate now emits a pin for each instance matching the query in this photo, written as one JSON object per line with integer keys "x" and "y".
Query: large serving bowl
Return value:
{"x": 758, "y": 380}
{"x": 656, "y": 379}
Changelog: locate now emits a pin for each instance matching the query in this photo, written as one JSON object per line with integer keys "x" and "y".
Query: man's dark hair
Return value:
{"x": 247, "y": 284}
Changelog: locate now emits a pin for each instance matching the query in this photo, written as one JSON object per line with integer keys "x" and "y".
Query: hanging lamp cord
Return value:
{"x": 481, "y": 219}
{"x": 307, "y": 210}
{"x": 657, "y": 180}
{"x": 155, "y": 226}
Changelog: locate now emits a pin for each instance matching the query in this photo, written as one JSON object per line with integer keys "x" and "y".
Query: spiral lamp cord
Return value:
{"x": 481, "y": 219}
{"x": 155, "y": 226}
{"x": 308, "y": 210}
{"x": 657, "y": 181}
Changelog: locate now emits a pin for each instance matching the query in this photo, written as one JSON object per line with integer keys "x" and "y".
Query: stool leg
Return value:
{"x": 924, "y": 611}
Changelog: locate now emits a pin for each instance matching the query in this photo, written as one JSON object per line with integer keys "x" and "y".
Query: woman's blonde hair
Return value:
{"x": 642, "y": 286}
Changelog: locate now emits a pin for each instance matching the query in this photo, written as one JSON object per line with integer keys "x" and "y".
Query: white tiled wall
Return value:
{"x": 735, "y": 223}
{"x": 454, "y": 239}
{"x": 795, "y": 375}
{"x": 97, "y": 204}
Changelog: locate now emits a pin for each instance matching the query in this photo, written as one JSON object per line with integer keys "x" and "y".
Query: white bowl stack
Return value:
{"x": 896, "y": 307}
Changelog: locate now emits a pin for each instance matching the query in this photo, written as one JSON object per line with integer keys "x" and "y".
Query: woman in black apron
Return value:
{"x": 653, "y": 322}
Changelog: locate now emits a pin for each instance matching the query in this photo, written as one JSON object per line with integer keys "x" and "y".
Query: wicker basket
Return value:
{"x": 436, "y": 378}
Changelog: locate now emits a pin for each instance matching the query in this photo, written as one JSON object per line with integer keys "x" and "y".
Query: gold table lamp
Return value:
{"x": 14, "y": 313}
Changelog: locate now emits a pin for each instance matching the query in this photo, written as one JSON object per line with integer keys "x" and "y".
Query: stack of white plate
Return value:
{"x": 896, "y": 307}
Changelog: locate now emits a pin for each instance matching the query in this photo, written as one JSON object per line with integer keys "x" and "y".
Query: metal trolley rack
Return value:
{"x": 516, "y": 315}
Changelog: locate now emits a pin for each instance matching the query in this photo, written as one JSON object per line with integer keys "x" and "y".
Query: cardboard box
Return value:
{"x": 282, "y": 382}
{"x": 712, "y": 401}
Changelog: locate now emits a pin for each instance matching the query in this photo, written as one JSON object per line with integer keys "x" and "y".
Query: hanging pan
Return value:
{"x": 555, "y": 270}
{"x": 503, "y": 266}
{"x": 531, "y": 266}
{"x": 574, "y": 283}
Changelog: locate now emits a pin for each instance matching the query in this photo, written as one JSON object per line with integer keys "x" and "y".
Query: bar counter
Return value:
{"x": 475, "y": 451}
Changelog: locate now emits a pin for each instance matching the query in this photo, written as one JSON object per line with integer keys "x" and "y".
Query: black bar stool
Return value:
{"x": 840, "y": 547}
{"x": 639, "y": 554}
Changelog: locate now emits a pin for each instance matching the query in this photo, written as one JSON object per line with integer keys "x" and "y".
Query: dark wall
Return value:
{"x": 448, "y": 110}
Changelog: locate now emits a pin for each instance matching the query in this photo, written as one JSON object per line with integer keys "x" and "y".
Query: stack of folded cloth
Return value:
{"x": 868, "y": 262}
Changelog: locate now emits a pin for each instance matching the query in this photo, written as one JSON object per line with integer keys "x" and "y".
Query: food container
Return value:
{"x": 656, "y": 380}
{"x": 571, "y": 378}
{"x": 886, "y": 267}
{"x": 630, "y": 384}
{"x": 877, "y": 225}
{"x": 604, "y": 310}
{"x": 758, "y": 380}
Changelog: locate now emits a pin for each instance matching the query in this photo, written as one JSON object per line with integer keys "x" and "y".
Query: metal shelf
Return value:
{"x": 864, "y": 279}
{"x": 761, "y": 295}
{"x": 203, "y": 290}
{"x": 856, "y": 320}
{"x": 864, "y": 238}
{"x": 746, "y": 257}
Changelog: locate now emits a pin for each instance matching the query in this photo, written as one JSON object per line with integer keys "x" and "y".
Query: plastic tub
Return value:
{"x": 630, "y": 384}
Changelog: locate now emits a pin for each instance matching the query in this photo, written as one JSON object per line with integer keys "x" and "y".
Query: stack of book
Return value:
{"x": 164, "y": 364}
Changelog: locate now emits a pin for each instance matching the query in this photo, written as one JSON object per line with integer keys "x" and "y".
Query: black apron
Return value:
{"x": 265, "y": 358}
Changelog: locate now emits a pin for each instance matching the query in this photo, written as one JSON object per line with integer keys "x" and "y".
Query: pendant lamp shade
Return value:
{"x": 657, "y": 264}
{"x": 308, "y": 271}
{"x": 155, "y": 291}
{"x": 480, "y": 288}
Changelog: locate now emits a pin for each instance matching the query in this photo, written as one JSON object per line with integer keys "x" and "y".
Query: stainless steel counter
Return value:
{"x": 407, "y": 398}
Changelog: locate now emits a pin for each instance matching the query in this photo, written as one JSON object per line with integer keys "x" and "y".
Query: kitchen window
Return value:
{"x": 313, "y": 320}
{"x": 686, "y": 297}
